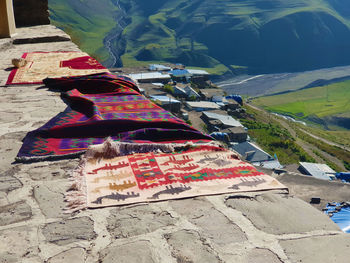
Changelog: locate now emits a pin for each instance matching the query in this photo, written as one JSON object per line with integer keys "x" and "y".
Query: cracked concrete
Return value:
{"x": 270, "y": 226}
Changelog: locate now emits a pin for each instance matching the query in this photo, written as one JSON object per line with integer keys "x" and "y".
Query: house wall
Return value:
{"x": 31, "y": 12}
{"x": 7, "y": 22}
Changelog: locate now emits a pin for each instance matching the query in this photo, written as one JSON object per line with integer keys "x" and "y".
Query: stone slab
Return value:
{"x": 17, "y": 244}
{"x": 133, "y": 221}
{"x": 214, "y": 224}
{"x": 318, "y": 249}
{"x": 74, "y": 255}
{"x": 39, "y": 34}
{"x": 48, "y": 171}
{"x": 14, "y": 213}
{"x": 50, "y": 199}
{"x": 10, "y": 144}
{"x": 188, "y": 246}
{"x": 68, "y": 231}
{"x": 259, "y": 255}
{"x": 139, "y": 251}
{"x": 281, "y": 214}
{"x": 8, "y": 182}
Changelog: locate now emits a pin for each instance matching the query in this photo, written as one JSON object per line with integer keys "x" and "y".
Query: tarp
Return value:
{"x": 340, "y": 217}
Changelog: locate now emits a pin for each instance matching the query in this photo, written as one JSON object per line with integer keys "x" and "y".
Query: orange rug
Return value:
{"x": 106, "y": 179}
{"x": 41, "y": 65}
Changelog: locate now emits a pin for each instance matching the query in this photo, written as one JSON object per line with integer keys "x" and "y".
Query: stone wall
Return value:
{"x": 31, "y": 12}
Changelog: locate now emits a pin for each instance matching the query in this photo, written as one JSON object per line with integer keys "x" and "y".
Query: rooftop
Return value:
{"x": 149, "y": 75}
{"x": 252, "y": 152}
{"x": 225, "y": 119}
{"x": 318, "y": 170}
{"x": 203, "y": 105}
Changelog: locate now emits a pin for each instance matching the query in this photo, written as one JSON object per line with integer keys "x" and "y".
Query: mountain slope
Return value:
{"x": 260, "y": 35}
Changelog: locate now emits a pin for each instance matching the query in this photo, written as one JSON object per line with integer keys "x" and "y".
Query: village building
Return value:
{"x": 149, "y": 77}
{"x": 317, "y": 170}
{"x": 179, "y": 92}
{"x": 198, "y": 75}
{"x": 232, "y": 104}
{"x": 180, "y": 75}
{"x": 235, "y": 97}
{"x": 167, "y": 103}
{"x": 207, "y": 94}
{"x": 158, "y": 67}
{"x": 191, "y": 93}
{"x": 256, "y": 156}
{"x": 226, "y": 120}
{"x": 236, "y": 134}
{"x": 214, "y": 125}
{"x": 202, "y": 105}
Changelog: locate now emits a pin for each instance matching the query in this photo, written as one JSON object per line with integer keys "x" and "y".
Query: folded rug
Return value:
{"x": 100, "y": 106}
{"x": 41, "y": 65}
{"x": 104, "y": 178}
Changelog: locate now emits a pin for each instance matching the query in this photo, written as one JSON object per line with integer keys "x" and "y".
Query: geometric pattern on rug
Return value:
{"x": 148, "y": 177}
{"x": 42, "y": 65}
{"x": 105, "y": 106}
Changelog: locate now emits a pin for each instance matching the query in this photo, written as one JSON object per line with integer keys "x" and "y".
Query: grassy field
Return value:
{"x": 86, "y": 22}
{"x": 321, "y": 102}
{"x": 273, "y": 138}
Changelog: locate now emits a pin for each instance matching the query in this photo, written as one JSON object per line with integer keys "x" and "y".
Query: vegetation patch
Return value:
{"x": 88, "y": 23}
{"x": 273, "y": 138}
{"x": 312, "y": 104}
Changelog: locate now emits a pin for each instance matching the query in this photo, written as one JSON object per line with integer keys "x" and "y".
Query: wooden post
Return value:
{"x": 7, "y": 19}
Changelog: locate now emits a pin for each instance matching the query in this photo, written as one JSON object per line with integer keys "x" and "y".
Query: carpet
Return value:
{"x": 53, "y": 64}
{"x": 99, "y": 106}
{"x": 104, "y": 178}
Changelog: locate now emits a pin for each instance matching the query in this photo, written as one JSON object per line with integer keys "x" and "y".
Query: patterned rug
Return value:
{"x": 53, "y": 64}
{"x": 147, "y": 177}
{"x": 100, "y": 106}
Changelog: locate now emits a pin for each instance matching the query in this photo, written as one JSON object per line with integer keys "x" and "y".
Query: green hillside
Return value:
{"x": 86, "y": 21}
{"x": 260, "y": 35}
{"x": 328, "y": 104}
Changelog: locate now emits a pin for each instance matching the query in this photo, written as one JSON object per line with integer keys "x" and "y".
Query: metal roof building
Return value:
{"x": 318, "y": 170}
{"x": 202, "y": 105}
{"x": 150, "y": 77}
{"x": 225, "y": 119}
{"x": 179, "y": 73}
{"x": 252, "y": 152}
{"x": 158, "y": 67}
{"x": 191, "y": 92}
{"x": 197, "y": 71}
{"x": 164, "y": 99}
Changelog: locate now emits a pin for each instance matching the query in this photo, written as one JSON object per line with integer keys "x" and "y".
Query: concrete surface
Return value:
{"x": 270, "y": 226}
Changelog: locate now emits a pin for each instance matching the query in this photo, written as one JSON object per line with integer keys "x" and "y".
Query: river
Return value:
{"x": 267, "y": 84}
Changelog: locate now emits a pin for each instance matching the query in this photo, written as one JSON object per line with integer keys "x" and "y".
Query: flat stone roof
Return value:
{"x": 269, "y": 226}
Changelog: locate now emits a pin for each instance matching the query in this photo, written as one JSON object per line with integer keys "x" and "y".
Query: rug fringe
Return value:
{"x": 76, "y": 197}
{"x": 111, "y": 149}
